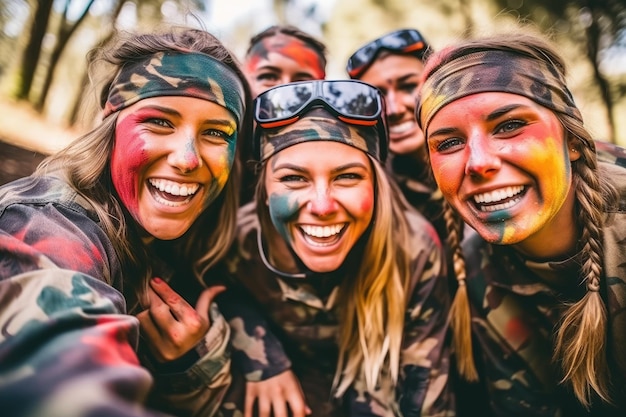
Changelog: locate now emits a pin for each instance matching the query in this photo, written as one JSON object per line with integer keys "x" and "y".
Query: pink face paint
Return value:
{"x": 128, "y": 159}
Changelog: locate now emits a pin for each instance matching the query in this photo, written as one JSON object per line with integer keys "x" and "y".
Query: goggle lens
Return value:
{"x": 405, "y": 40}
{"x": 350, "y": 99}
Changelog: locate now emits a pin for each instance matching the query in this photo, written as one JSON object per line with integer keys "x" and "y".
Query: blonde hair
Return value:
{"x": 373, "y": 300}
{"x": 580, "y": 345}
{"x": 85, "y": 164}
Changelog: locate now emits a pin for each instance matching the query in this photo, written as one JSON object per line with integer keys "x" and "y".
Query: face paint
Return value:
{"x": 172, "y": 158}
{"x": 281, "y": 59}
{"x": 128, "y": 158}
{"x": 320, "y": 206}
{"x": 501, "y": 160}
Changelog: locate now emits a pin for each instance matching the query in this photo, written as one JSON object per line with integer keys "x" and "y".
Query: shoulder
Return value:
{"x": 41, "y": 191}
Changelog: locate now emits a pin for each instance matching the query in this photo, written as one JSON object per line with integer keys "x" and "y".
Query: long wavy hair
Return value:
{"x": 373, "y": 298}
{"x": 85, "y": 164}
{"x": 580, "y": 341}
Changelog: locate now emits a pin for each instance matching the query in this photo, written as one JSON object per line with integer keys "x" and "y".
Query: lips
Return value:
{"x": 500, "y": 199}
{"x": 171, "y": 193}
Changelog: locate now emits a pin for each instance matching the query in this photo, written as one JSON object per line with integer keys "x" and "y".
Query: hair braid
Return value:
{"x": 581, "y": 337}
{"x": 460, "y": 317}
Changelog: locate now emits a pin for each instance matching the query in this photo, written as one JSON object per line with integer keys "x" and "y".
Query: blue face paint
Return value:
{"x": 283, "y": 210}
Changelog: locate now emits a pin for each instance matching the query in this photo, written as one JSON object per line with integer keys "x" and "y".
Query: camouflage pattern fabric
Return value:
{"x": 298, "y": 330}
{"x": 318, "y": 124}
{"x": 68, "y": 347}
{"x": 177, "y": 74}
{"x": 516, "y": 305}
{"x": 489, "y": 71}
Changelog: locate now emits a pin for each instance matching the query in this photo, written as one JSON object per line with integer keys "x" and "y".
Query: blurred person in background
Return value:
{"x": 393, "y": 63}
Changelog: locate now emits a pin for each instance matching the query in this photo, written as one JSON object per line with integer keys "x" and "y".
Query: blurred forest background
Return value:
{"x": 43, "y": 81}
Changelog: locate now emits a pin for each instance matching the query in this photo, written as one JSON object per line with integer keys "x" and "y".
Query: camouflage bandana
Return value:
{"x": 494, "y": 71}
{"x": 177, "y": 74}
{"x": 318, "y": 125}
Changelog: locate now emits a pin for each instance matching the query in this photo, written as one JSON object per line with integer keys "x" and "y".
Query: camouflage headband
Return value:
{"x": 177, "y": 74}
{"x": 494, "y": 71}
{"x": 318, "y": 125}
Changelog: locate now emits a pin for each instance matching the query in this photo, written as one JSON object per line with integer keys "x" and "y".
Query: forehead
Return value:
{"x": 389, "y": 68}
{"x": 335, "y": 154}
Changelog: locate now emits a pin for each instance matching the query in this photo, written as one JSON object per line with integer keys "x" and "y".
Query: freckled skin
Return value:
{"x": 526, "y": 146}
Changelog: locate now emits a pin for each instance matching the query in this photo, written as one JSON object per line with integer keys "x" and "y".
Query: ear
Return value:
{"x": 572, "y": 147}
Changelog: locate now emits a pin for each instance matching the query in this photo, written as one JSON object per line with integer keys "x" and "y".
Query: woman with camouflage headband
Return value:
{"x": 119, "y": 224}
{"x": 538, "y": 319}
{"x": 350, "y": 278}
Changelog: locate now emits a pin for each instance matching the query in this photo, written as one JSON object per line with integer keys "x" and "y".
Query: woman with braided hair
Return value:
{"x": 538, "y": 315}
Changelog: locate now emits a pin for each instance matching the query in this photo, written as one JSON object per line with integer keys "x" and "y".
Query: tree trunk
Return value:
{"x": 32, "y": 52}
{"x": 66, "y": 31}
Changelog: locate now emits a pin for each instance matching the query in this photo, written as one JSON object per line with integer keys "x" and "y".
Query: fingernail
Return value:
{"x": 157, "y": 280}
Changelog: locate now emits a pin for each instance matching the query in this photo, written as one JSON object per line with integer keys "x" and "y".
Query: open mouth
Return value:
{"x": 322, "y": 235}
{"x": 171, "y": 193}
{"x": 501, "y": 199}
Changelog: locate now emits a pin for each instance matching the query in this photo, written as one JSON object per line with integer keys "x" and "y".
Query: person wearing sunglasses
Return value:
{"x": 538, "y": 319}
{"x": 348, "y": 275}
{"x": 393, "y": 63}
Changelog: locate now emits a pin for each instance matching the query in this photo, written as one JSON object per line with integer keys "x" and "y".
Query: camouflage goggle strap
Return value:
{"x": 177, "y": 74}
{"x": 494, "y": 71}
{"x": 318, "y": 125}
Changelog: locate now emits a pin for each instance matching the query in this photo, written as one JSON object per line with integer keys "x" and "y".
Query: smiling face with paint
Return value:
{"x": 172, "y": 157}
{"x": 320, "y": 206}
{"x": 502, "y": 161}
{"x": 281, "y": 59}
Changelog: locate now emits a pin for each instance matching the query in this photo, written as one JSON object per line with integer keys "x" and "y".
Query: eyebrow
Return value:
{"x": 298, "y": 168}
{"x": 501, "y": 111}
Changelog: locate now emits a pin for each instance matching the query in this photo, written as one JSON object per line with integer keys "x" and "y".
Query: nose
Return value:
{"x": 395, "y": 105}
{"x": 185, "y": 155}
{"x": 482, "y": 160}
{"x": 322, "y": 204}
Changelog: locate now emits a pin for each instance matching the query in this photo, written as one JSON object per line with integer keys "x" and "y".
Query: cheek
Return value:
{"x": 447, "y": 172}
{"x": 283, "y": 208}
{"x": 128, "y": 158}
{"x": 367, "y": 200}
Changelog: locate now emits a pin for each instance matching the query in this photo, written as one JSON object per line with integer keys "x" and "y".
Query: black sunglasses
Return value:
{"x": 351, "y": 101}
{"x": 406, "y": 41}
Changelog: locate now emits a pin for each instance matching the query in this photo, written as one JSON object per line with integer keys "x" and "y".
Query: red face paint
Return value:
{"x": 128, "y": 158}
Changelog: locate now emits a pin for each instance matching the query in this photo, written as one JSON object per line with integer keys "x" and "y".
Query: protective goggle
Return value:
{"x": 351, "y": 101}
{"x": 407, "y": 41}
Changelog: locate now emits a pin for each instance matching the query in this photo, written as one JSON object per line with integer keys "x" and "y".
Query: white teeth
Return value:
{"x": 322, "y": 231}
{"x": 402, "y": 127}
{"x": 498, "y": 195}
{"x": 173, "y": 188}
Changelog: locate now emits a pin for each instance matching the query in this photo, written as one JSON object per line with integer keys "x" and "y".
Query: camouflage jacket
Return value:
{"x": 68, "y": 347}
{"x": 516, "y": 305}
{"x": 299, "y": 329}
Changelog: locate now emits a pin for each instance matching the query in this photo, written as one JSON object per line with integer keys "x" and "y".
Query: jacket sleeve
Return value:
{"x": 67, "y": 346}
{"x": 199, "y": 389}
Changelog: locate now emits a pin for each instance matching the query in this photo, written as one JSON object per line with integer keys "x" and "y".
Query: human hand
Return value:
{"x": 273, "y": 395}
{"x": 172, "y": 326}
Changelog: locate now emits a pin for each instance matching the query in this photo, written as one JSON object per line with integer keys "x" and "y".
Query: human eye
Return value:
{"x": 348, "y": 178}
{"x": 157, "y": 122}
{"x": 267, "y": 77}
{"x": 446, "y": 145}
{"x": 408, "y": 87}
{"x": 510, "y": 126}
